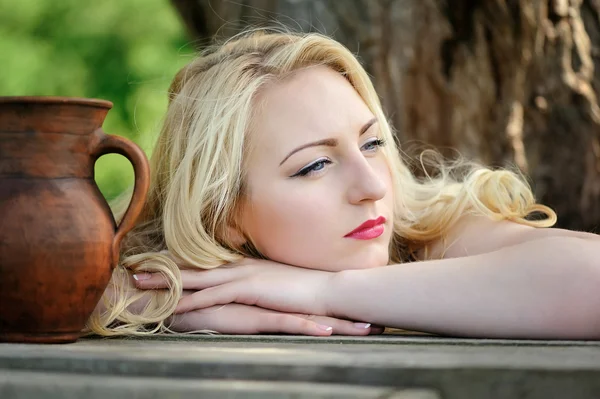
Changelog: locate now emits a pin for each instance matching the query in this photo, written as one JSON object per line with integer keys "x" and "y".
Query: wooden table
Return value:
{"x": 224, "y": 366}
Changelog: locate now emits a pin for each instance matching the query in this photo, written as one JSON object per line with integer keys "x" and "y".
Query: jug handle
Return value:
{"x": 106, "y": 144}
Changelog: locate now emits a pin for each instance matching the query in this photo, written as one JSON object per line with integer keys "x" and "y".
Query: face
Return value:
{"x": 316, "y": 173}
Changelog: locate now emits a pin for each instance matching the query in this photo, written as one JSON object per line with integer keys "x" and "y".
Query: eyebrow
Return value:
{"x": 328, "y": 142}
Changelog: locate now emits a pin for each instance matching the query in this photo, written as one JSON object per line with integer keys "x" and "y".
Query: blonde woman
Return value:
{"x": 277, "y": 170}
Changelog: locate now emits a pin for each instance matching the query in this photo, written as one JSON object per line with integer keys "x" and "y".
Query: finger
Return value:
{"x": 275, "y": 322}
{"x": 343, "y": 327}
{"x": 224, "y": 319}
{"x": 149, "y": 281}
{"x": 191, "y": 279}
{"x": 200, "y": 279}
{"x": 219, "y": 295}
{"x": 243, "y": 319}
{"x": 376, "y": 330}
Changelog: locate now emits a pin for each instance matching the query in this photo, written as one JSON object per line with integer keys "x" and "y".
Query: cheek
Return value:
{"x": 382, "y": 169}
{"x": 284, "y": 224}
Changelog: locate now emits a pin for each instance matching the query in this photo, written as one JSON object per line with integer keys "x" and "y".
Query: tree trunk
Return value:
{"x": 504, "y": 82}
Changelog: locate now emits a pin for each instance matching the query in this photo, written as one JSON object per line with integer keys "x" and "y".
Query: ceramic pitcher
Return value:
{"x": 58, "y": 240}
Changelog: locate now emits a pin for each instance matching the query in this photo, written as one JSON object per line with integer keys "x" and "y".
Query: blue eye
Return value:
{"x": 373, "y": 145}
{"x": 313, "y": 168}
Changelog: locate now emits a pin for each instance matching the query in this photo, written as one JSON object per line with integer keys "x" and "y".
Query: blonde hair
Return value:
{"x": 198, "y": 176}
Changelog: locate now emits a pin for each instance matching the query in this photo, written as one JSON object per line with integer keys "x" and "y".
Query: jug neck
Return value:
{"x": 49, "y": 137}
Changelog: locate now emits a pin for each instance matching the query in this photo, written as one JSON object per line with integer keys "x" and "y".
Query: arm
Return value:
{"x": 544, "y": 288}
{"x": 473, "y": 235}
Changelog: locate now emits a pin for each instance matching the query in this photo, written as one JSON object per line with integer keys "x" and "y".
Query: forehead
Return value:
{"x": 311, "y": 104}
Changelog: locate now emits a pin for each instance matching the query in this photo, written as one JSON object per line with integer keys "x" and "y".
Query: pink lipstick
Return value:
{"x": 368, "y": 230}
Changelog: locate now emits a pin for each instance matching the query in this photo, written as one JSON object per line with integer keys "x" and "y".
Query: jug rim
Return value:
{"x": 92, "y": 102}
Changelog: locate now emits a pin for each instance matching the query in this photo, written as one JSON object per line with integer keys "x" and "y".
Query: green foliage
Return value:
{"x": 124, "y": 51}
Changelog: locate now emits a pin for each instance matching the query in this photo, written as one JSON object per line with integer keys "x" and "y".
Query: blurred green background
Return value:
{"x": 124, "y": 51}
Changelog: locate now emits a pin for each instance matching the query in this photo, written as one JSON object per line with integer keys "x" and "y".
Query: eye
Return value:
{"x": 313, "y": 168}
{"x": 373, "y": 145}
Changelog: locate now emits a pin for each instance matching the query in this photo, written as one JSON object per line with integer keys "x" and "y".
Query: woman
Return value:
{"x": 276, "y": 159}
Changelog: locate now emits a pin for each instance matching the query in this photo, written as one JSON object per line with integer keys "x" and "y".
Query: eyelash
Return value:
{"x": 310, "y": 169}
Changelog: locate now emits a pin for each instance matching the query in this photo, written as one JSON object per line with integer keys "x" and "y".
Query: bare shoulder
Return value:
{"x": 473, "y": 235}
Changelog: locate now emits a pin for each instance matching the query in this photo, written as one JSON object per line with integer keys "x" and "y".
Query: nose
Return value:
{"x": 367, "y": 180}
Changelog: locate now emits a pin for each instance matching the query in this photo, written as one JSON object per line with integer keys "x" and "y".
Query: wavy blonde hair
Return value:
{"x": 198, "y": 176}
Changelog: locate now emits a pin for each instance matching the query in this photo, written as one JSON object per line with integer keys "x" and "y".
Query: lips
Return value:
{"x": 370, "y": 229}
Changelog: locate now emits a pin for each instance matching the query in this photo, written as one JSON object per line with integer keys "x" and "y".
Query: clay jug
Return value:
{"x": 58, "y": 240}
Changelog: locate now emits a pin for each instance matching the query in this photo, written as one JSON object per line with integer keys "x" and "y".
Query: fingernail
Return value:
{"x": 142, "y": 276}
{"x": 362, "y": 326}
{"x": 324, "y": 328}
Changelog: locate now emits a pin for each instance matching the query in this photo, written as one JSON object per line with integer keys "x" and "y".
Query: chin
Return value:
{"x": 367, "y": 261}
{"x": 368, "y": 258}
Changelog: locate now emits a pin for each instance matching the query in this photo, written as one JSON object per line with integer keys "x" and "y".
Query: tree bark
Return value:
{"x": 509, "y": 83}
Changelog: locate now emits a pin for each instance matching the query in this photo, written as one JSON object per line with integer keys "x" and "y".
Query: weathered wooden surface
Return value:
{"x": 292, "y": 366}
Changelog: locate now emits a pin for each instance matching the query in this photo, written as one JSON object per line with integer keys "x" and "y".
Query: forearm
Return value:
{"x": 546, "y": 288}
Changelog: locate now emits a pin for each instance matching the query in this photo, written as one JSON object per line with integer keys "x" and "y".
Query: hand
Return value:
{"x": 244, "y": 319}
{"x": 254, "y": 282}
{"x": 262, "y": 283}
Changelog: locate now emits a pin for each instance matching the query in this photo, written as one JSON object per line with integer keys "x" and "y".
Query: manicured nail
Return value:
{"x": 142, "y": 276}
{"x": 324, "y": 328}
{"x": 362, "y": 326}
